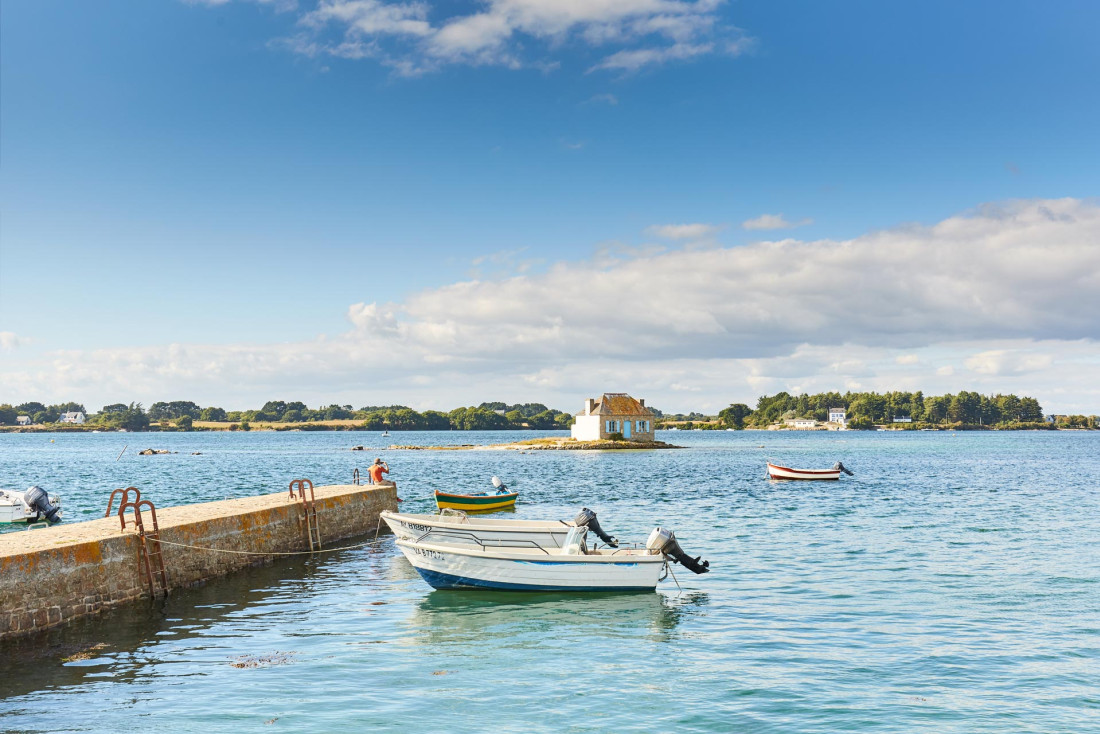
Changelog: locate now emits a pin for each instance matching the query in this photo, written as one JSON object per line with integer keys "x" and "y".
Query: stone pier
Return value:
{"x": 52, "y": 575}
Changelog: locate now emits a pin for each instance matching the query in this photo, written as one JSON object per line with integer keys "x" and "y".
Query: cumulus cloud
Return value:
{"x": 10, "y": 340}
{"x": 417, "y": 36}
{"x": 773, "y": 221}
{"x": 985, "y": 289}
{"x": 683, "y": 231}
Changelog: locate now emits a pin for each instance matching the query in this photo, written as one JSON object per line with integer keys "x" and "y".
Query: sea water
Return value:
{"x": 951, "y": 585}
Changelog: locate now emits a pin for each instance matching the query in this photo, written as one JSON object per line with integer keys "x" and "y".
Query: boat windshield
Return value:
{"x": 574, "y": 544}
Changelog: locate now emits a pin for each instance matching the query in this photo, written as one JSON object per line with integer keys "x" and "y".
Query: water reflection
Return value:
{"x": 125, "y": 643}
{"x": 459, "y": 617}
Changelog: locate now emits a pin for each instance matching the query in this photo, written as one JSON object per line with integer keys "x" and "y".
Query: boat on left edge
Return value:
{"x": 34, "y": 505}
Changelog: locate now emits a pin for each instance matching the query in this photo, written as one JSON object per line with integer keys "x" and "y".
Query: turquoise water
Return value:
{"x": 952, "y": 585}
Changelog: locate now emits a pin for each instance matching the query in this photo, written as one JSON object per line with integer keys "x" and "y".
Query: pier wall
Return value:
{"x": 53, "y": 575}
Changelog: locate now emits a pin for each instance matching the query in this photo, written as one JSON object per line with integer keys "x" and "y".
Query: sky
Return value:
{"x": 442, "y": 203}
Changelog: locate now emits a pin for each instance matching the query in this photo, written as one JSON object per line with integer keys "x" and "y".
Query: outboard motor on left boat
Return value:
{"x": 37, "y": 499}
{"x": 30, "y": 506}
{"x": 664, "y": 541}
{"x": 843, "y": 468}
{"x": 586, "y": 518}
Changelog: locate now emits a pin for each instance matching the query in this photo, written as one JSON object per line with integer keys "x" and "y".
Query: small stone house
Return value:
{"x": 75, "y": 417}
{"x": 613, "y": 413}
{"x": 23, "y": 420}
{"x": 801, "y": 423}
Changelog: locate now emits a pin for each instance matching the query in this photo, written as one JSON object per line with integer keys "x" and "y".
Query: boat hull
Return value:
{"x": 784, "y": 472}
{"x": 456, "y": 567}
{"x": 463, "y": 530}
{"x": 475, "y": 503}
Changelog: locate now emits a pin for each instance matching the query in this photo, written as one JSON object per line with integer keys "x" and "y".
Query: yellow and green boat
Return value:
{"x": 475, "y": 502}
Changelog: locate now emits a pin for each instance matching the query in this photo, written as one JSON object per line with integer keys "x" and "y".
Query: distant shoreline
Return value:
{"x": 357, "y": 425}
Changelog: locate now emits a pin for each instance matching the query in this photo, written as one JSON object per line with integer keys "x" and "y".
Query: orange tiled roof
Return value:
{"x": 619, "y": 403}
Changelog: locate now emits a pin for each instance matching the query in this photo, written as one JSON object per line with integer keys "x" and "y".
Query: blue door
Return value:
{"x": 626, "y": 429}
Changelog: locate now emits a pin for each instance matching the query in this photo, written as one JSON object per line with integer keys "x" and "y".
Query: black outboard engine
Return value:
{"x": 586, "y": 518}
{"x": 664, "y": 541}
{"x": 37, "y": 499}
{"x": 843, "y": 468}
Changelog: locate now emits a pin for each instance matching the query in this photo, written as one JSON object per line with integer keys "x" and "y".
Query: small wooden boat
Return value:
{"x": 785, "y": 472}
{"x": 481, "y": 502}
{"x": 571, "y": 568}
{"x": 454, "y": 526}
{"x": 475, "y": 502}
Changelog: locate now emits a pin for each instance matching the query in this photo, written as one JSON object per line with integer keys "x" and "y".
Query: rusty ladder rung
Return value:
{"x": 152, "y": 561}
{"x": 309, "y": 506}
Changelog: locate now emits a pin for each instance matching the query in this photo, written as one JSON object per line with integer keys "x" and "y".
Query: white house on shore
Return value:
{"x": 74, "y": 417}
{"x": 838, "y": 415}
{"x": 800, "y": 423}
{"x": 902, "y": 419}
{"x": 613, "y": 413}
{"x": 22, "y": 420}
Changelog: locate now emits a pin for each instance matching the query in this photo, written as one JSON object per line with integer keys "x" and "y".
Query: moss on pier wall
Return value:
{"x": 53, "y": 575}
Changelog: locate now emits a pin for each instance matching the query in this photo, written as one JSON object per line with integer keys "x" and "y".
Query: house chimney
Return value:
{"x": 641, "y": 402}
{"x": 588, "y": 405}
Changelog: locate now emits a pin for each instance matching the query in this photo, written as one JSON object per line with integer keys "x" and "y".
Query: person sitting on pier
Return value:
{"x": 377, "y": 469}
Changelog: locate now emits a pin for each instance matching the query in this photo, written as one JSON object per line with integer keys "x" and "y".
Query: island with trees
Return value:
{"x": 864, "y": 410}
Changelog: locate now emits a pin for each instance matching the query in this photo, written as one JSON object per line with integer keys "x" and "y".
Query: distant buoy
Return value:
{"x": 51, "y": 440}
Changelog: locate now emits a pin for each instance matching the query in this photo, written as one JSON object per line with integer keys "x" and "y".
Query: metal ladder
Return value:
{"x": 309, "y": 506}
{"x": 151, "y": 560}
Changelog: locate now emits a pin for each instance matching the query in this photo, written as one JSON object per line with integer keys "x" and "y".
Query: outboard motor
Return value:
{"x": 37, "y": 499}
{"x": 664, "y": 541}
{"x": 586, "y": 518}
{"x": 843, "y": 468}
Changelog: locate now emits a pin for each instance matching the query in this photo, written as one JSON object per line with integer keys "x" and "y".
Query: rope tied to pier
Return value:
{"x": 262, "y": 553}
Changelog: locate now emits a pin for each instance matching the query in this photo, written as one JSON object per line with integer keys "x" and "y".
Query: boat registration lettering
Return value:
{"x": 429, "y": 553}
{"x": 416, "y": 528}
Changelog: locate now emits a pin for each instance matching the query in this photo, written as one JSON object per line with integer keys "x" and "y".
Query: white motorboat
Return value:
{"x": 33, "y": 505}
{"x": 453, "y": 527}
{"x": 573, "y": 567}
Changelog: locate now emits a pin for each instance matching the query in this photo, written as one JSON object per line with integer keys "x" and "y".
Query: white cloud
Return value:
{"x": 10, "y": 340}
{"x": 683, "y": 231}
{"x": 418, "y": 36}
{"x": 1001, "y": 361}
{"x": 985, "y": 289}
{"x": 610, "y": 99}
{"x": 773, "y": 221}
{"x": 636, "y": 58}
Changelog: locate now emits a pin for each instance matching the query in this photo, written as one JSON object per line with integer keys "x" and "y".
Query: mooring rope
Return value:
{"x": 261, "y": 553}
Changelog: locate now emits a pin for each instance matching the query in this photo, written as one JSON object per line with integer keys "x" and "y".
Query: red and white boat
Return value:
{"x": 785, "y": 472}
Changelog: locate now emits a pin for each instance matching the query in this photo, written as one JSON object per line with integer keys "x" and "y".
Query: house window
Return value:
{"x": 642, "y": 426}
{"x": 612, "y": 426}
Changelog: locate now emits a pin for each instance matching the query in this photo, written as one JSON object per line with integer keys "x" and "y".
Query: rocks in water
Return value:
{"x": 358, "y": 448}
{"x": 196, "y": 453}
{"x": 151, "y": 452}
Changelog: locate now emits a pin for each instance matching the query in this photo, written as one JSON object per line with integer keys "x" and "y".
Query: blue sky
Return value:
{"x": 227, "y": 180}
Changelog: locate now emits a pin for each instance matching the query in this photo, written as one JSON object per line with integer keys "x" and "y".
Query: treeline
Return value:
{"x": 183, "y": 414}
{"x": 866, "y": 409}
{"x": 37, "y": 412}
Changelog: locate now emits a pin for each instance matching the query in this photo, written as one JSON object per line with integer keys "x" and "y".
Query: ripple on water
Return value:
{"x": 940, "y": 589}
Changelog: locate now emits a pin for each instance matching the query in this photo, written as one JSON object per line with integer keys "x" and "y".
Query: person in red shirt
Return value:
{"x": 378, "y": 468}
